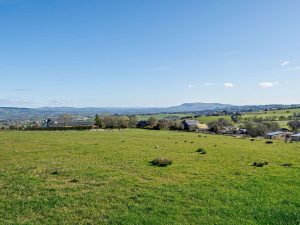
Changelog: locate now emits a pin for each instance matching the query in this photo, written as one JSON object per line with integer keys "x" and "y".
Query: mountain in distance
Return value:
{"x": 13, "y": 113}
{"x": 197, "y": 107}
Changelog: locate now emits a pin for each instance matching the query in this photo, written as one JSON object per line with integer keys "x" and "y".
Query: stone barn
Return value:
{"x": 295, "y": 137}
{"x": 278, "y": 135}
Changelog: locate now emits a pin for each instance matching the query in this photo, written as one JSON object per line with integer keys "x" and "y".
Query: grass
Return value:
{"x": 281, "y": 112}
{"x": 97, "y": 178}
{"x": 208, "y": 119}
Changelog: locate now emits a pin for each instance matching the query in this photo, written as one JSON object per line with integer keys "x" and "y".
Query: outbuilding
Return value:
{"x": 190, "y": 125}
{"x": 278, "y": 135}
{"x": 295, "y": 137}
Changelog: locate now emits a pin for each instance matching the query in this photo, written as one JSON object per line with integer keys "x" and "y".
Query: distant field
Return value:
{"x": 285, "y": 112}
{"x": 259, "y": 114}
{"x": 207, "y": 119}
{"x": 106, "y": 178}
{"x": 164, "y": 116}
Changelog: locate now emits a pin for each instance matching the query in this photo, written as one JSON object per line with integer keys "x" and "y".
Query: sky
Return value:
{"x": 145, "y": 53}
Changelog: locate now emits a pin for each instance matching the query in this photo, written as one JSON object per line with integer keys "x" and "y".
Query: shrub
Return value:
{"x": 287, "y": 164}
{"x": 269, "y": 142}
{"x": 74, "y": 181}
{"x": 260, "y": 164}
{"x": 251, "y": 139}
{"x": 161, "y": 162}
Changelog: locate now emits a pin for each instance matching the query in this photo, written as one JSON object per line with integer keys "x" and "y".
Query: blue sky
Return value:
{"x": 148, "y": 53}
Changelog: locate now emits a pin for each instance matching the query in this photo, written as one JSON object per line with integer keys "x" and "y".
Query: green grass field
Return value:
{"x": 106, "y": 178}
{"x": 208, "y": 119}
{"x": 164, "y": 116}
{"x": 282, "y": 112}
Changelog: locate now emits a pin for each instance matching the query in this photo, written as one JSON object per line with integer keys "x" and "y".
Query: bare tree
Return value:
{"x": 152, "y": 121}
{"x": 65, "y": 118}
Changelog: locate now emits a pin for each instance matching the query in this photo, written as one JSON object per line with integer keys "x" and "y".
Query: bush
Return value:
{"x": 269, "y": 142}
{"x": 287, "y": 164}
{"x": 74, "y": 181}
{"x": 161, "y": 162}
{"x": 260, "y": 164}
{"x": 201, "y": 151}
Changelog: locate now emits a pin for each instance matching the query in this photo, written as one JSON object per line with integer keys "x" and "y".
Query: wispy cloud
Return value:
{"x": 12, "y": 101}
{"x": 228, "y": 85}
{"x": 285, "y": 63}
{"x": 191, "y": 86}
{"x": 267, "y": 84}
{"x": 208, "y": 84}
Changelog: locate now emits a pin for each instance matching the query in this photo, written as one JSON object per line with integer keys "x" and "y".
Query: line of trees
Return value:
{"x": 255, "y": 129}
{"x": 115, "y": 121}
{"x": 160, "y": 124}
{"x": 294, "y": 125}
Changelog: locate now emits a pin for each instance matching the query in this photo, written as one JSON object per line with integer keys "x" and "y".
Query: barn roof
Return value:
{"x": 275, "y": 133}
{"x": 296, "y": 135}
{"x": 191, "y": 122}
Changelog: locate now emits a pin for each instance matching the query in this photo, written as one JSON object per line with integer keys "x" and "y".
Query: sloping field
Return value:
{"x": 106, "y": 178}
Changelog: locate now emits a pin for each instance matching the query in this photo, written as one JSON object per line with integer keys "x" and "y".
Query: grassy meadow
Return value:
{"x": 106, "y": 178}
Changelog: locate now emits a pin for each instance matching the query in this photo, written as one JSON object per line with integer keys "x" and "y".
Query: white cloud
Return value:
{"x": 228, "y": 85}
{"x": 268, "y": 84}
{"x": 208, "y": 84}
{"x": 190, "y": 86}
{"x": 285, "y": 63}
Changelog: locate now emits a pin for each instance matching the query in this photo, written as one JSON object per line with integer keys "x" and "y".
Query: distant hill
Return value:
{"x": 11, "y": 113}
{"x": 196, "y": 107}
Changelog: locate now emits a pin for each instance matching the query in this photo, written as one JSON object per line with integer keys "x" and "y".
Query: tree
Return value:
{"x": 163, "y": 124}
{"x": 110, "y": 121}
{"x": 255, "y": 129}
{"x": 294, "y": 125}
{"x": 152, "y": 121}
{"x": 98, "y": 121}
{"x": 123, "y": 122}
{"x": 216, "y": 125}
{"x": 176, "y": 125}
{"x": 133, "y": 121}
{"x": 65, "y": 118}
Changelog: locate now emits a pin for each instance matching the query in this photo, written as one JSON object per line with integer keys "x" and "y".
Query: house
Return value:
{"x": 278, "y": 135}
{"x": 190, "y": 125}
{"x": 243, "y": 131}
{"x": 51, "y": 123}
{"x": 295, "y": 137}
{"x": 193, "y": 125}
{"x": 229, "y": 130}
